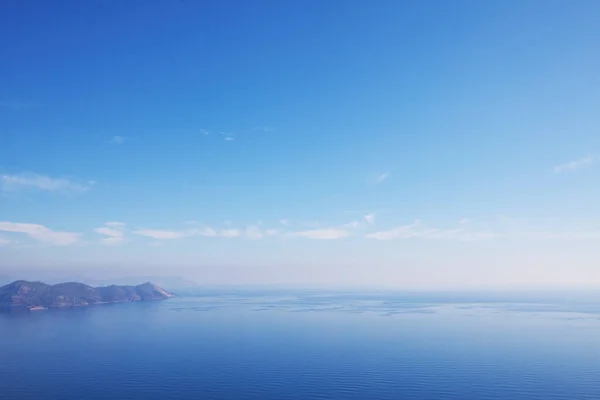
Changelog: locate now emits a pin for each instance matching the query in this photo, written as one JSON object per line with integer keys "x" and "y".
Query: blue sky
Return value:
{"x": 401, "y": 143}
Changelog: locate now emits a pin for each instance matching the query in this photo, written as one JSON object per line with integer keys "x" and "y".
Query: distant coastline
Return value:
{"x": 37, "y": 296}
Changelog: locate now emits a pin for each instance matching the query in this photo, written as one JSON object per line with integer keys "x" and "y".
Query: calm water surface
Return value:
{"x": 279, "y": 345}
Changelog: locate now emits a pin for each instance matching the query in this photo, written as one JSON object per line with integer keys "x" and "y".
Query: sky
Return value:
{"x": 397, "y": 143}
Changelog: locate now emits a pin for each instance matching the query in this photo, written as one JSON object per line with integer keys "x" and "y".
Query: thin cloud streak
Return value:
{"x": 381, "y": 177}
{"x": 253, "y": 232}
{"x": 574, "y": 165}
{"x": 160, "y": 234}
{"x": 321, "y": 234}
{"x": 415, "y": 230}
{"x": 250, "y": 232}
{"x": 41, "y": 233}
{"x": 114, "y": 232}
{"x": 24, "y": 181}
{"x": 229, "y": 233}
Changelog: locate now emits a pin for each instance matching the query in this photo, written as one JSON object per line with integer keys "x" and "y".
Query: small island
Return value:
{"x": 40, "y": 296}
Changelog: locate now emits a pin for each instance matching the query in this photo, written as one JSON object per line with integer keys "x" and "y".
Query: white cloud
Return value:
{"x": 41, "y": 233}
{"x": 207, "y": 232}
{"x": 415, "y": 230}
{"x": 318, "y": 234}
{"x": 230, "y": 233}
{"x": 204, "y": 132}
{"x": 161, "y": 234}
{"x": 118, "y": 140}
{"x": 284, "y": 222}
{"x": 370, "y": 218}
{"x": 24, "y": 181}
{"x": 574, "y": 165}
{"x": 114, "y": 232}
{"x": 253, "y": 232}
{"x": 229, "y": 139}
{"x": 382, "y": 177}
{"x": 464, "y": 221}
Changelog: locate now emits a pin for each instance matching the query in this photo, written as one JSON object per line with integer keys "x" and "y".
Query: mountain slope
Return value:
{"x": 73, "y": 294}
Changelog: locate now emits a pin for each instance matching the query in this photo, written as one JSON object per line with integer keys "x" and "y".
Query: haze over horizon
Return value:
{"x": 422, "y": 144}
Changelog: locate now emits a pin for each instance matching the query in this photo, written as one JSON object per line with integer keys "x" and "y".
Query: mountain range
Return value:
{"x": 38, "y": 295}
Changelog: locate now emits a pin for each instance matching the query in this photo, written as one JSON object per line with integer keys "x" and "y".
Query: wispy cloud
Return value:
{"x": 28, "y": 181}
{"x": 204, "y": 132}
{"x": 41, "y": 233}
{"x": 229, "y": 233}
{"x": 250, "y": 232}
{"x": 574, "y": 165}
{"x": 161, "y": 234}
{"x": 253, "y": 232}
{"x": 4, "y": 241}
{"x": 114, "y": 232}
{"x": 321, "y": 234}
{"x": 118, "y": 140}
{"x": 381, "y": 177}
{"x": 370, "y": 218}
{"x": 229, "y": 139}
{"x": 416, "y": 230}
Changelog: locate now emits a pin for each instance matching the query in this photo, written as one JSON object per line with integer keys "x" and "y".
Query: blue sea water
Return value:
{"x": 247, "y": 344}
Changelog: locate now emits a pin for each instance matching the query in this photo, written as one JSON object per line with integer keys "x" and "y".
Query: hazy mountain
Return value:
{"x": 34, "y": 295}
{"x": 173, "y": 282}
{"x": 108, "y": 276}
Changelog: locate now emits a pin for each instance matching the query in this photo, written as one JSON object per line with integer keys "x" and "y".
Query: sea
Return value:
{"x": 260, "y": 344}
